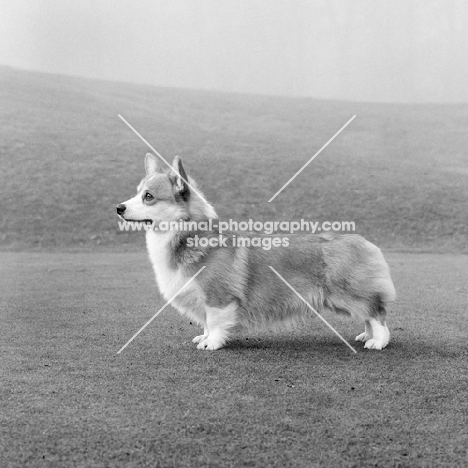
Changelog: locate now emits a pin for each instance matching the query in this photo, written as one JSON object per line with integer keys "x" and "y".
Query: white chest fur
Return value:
{"x": 169, "y": 279}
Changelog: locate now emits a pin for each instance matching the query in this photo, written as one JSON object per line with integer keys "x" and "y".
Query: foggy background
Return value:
{"x": 367, "y": 50}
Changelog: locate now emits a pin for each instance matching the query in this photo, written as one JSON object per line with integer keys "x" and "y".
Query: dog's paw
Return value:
{"x": 199, "y": 338}
{"x": 375, "y": 344}
{"x": 211, "y": 343}
{"x": 363, "y": 337}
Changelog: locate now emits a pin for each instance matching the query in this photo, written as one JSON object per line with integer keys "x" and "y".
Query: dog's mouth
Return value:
{"x": 143, "y": 221}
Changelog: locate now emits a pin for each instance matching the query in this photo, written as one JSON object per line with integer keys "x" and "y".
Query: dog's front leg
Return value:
{"x": 219, "y": 321}
{"x": 367, "y": 335}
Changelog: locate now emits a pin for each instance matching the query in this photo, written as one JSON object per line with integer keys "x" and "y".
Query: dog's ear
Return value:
{"x": 152, "y": 164}
{"x": 181, "y": 179}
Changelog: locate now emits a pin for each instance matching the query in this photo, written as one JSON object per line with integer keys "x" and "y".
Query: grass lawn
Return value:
{"x": 293, "y": 399}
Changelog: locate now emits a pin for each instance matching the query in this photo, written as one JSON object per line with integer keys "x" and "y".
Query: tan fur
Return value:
{"x": 237, "y": 289}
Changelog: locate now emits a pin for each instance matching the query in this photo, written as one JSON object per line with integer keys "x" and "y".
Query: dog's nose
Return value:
{"x": 120, "y": 208}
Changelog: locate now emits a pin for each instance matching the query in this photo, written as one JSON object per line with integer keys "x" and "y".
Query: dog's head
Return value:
{"x": 164, "y": 195}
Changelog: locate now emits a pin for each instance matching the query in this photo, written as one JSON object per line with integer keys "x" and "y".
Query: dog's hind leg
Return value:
{"x": 377, "y": 334}
{"x": 380, "y": 334}
{"x": 219, "y": 321}
{"x": 367, "y": 335}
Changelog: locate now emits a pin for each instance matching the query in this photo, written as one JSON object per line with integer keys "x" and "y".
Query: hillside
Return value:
{"x": 400, "y": 172}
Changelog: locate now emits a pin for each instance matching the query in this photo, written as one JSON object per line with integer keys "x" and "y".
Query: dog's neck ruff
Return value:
{"x": 159, "y": 245}
{"x": 170, "y": 250}
{"x": 169, "y": 278}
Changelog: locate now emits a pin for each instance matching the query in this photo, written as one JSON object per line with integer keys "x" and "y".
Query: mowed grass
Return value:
{"x": 292, "y": 399}
{"x": 398, "y": 171}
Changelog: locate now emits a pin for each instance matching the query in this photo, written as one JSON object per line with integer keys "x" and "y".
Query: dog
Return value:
{"x": 237, "y": 289}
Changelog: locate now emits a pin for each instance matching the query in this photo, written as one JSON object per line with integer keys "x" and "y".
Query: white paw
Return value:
{"x": 375, "y": 344}
{"x": 199, "y": 338}
{"x": 363, "y": 337}
{"x": 211, "y": 343}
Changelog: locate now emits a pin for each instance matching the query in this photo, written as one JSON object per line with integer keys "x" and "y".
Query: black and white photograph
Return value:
{"x": 233, "y": 233}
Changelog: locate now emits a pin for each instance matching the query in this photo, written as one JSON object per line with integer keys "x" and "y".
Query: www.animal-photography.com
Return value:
{"x": 234, "y": 233}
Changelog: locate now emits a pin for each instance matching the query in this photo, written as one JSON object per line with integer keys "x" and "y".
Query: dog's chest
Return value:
{"x": 170, "y": 280}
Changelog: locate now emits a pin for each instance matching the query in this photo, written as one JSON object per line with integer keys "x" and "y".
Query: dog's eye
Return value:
{"x": 148, "y": 196}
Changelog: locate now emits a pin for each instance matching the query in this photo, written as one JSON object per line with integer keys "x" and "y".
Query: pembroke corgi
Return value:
{"x": 237, "y": 288}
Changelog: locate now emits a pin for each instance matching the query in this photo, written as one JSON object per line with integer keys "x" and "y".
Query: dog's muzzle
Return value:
{"x": 120, "y": 209}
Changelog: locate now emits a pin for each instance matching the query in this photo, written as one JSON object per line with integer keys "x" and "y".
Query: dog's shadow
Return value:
{"x": 309, "y": 345}
{"x": 292, "y": 345}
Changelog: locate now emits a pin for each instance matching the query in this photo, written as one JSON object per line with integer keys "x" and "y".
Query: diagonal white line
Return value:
{"x": 159, "y": 156}
{"x": 311, "y": 308}
{"x": 161, "y": 309}
{"x": 312, "y": 158}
